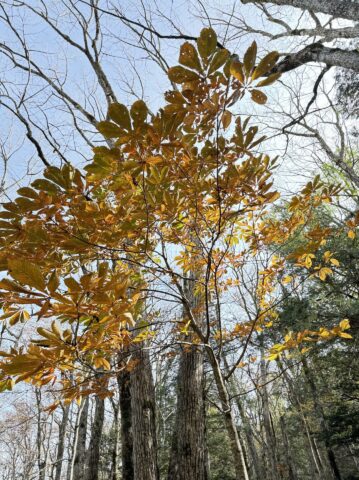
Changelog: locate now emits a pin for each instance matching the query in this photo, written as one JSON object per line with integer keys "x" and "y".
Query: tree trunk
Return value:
{"x": 322, "y": 420}
{"x": 61, "y": 444}
{"x": 256, "y": 465}
{"x": 229, "y": 418}
{"x": 93, "y": 454}
{"x": 188, "y": 453}
{"x": 80, "y": 451}
{"x": 123, "y": 380}
{"x": 314, "y": 462}
{"x": 270, "y": 440}
{"x": 41, "y": 464}
{"x": 189, "y": 456}
{"x": 115, "y": 474}
{"x": 143, "y": 417}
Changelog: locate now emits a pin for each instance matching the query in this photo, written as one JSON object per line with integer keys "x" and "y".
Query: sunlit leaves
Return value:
{"x": 293, "y": 341}
{"x": 108, "y": 129}
{"x": 84, "y": 247}
{"x": 250, "y": 58}
{"x": 236, "y": 70}
{"x": 269, "y": 80}
{"x": 181, "y": 75}
{"x": 27, "y": 273}
{"x": 218, "y": 60}
{"x": 351, "y": 234}
{"x": 120, "y": 114}
{"x": 265, "y": 65}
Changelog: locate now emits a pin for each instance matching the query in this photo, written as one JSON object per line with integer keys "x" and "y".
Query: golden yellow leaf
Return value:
{"x": 236, "y": 70}
{"x": 119, "y": 113}
{"x": 249, "y": 59}
{"x": 27, "y": 273}
{"x": 351, "y": 234}
{"x": 266, "y": 64}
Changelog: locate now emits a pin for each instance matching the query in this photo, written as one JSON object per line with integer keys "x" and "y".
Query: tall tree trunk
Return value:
{"x": 322, "y": 420}
{"x": 93, "y": 453}
{"x": 143, "y": 408}
{"x": 123, "y": 380}
{"x": 270, "y": 440}
{"x": 115, "y": 473}
{"x": 255, "y": 463}
{"x": 61, "y": 444}
{"x": 189, "y": 457}
{"x": 188, "y": 453}
{"x": 39, "y": 437}
{"x": 229, "y": 418}
{"x": 80, "y": 450}
{"x": 316, "y": 468}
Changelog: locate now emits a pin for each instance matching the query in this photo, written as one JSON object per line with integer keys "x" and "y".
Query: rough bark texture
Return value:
{"x": 61, "y": 444}
{"x": 80, "y": 453}
{"x": 337, "y": 8}
{"x": 188, "y": 454}
{"x": 93, "y": 454}
{"x": 143, "y": 418}
{"x": 126, "y": 425}
{"x": 188, "y": 458}
{"x": 316, "y": 52}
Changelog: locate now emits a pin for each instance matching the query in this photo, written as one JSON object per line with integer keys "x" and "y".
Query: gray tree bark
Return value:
{"x": 61, "y": 444}
{"x": 318, "y": 53}
{"x": 143, "y": 417}
{"x": 80, "y": 452}
{"x": 123, "y": 380}
{"x": 115, "y": 473}
{"x": 93, "y": 453}
{"x": 188, "y": 453}
{"x": 188, "y": 458}
{"x": 348, "y": 9}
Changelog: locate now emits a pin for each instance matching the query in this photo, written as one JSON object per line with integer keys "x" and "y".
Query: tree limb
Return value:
{"x": 316, "y": 52}
{"x": 348, "y": 9}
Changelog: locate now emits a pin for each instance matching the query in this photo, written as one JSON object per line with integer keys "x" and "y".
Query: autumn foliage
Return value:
{"x": 185, "y": 192}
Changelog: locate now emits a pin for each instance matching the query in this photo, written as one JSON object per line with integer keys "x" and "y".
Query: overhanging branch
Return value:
{"x": 316, "y": 52}
{"x": 348, "y": 9}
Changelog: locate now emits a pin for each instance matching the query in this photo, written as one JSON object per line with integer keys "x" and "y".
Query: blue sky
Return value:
{"x": 130, "y": 71}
